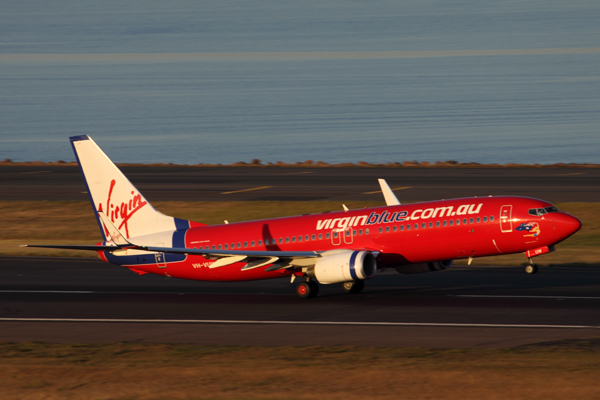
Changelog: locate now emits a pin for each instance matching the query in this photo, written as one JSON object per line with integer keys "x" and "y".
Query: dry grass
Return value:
{"x": 46, "y": 222}
{"x": 138, "y": 371}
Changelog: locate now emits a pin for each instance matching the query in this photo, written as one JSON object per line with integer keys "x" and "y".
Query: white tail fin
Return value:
{"x": 113, "y": 194}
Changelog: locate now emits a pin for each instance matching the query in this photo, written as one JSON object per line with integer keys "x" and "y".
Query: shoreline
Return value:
{"x": 312, "y": 164}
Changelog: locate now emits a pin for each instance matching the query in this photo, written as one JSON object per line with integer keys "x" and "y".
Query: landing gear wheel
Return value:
{"x": 353, "y": 287}
{"x": 307, "y": 289}
{"x": 531, "y": 269}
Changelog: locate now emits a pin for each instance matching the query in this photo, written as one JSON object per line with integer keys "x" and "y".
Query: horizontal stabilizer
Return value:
{"x": 111, "y": 231}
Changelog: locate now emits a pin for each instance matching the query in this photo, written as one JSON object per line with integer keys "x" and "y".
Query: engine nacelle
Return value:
{"x": 345, "y": 266}
{"x": 424, "y": 267}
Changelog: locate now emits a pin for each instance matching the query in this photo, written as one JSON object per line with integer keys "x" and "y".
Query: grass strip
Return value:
{"x": 56, "y": 222}
{"x": 554, "y": 370}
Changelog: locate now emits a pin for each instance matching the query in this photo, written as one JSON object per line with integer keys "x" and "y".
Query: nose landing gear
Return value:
{"x": 531, "y": 268}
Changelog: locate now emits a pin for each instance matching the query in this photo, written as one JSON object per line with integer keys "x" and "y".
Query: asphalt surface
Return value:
{"x": 300, "y": 183}
{"x": 86, "y": 300}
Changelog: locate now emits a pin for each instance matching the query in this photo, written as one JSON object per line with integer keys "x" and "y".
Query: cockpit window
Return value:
{"x": 541, "y": 211}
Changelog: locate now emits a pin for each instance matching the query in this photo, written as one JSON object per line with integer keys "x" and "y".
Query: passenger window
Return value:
{"x": 306, "y": 238}
{"x": 367, "y": 231}
{"x": 245, "y": 244}
{"x": 226, "y": 247}
{"x": 401, "y": 227}
{"x": 300, "y": 238}
{"x": 464, "y": 221}
{"x": 484, "y": 219}
{"x": 320, "y": 236}
{"x": 280, "y": 240}
{"x": 259, "y": 243}
{"x": 360, "y": 232}
{"x": 239, "y": 245}
{"x": 416, "y": 226}
{"x": 380, "y": 230}
{"x": 395, "y": 228}
{"x": 327, "y": 236}
{"x": 313, "y": 237}
{"x": 438, "y": 224}
{"x": 387, "y": 228}
{"x": 491, "y": 218}
{"x": 219, "y": 247}
{"x": 445, "y": 223}
{"x": 478, "y": 220}
{"x": 431, "y": 224}
{"x": 471, "y": 220}
{"x": 423, "y": 225}
{"x": 451, "y": 222}
{"x": 287, "y": 239}
{"x": 457, "y": 222}
{"x": 354, "y": 233}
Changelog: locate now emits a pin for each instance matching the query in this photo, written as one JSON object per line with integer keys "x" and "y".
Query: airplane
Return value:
{"x": 346, "y": 247}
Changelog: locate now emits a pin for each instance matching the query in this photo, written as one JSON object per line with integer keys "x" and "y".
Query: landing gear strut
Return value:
{"x": 531, "y": 268}
{"x": 353, "y": 287}
{"x": 307, "y": 289}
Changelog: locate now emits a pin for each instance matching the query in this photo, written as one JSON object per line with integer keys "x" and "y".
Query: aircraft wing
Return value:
{"x": 74, "y": 247}
{"x": 253, "y": 259}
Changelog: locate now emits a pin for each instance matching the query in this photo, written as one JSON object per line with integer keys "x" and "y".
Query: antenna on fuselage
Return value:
{"x": 390, "y": 197}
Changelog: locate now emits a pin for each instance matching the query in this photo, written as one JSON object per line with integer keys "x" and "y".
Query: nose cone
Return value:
{"x": 566, "y": 224}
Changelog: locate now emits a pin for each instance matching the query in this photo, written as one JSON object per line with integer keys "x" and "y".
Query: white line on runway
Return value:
{"x": 49, "y": 291}
{"x": 338, "y": 323}
{"x": 526, "y": 297}
{"x": 452, "y": 295}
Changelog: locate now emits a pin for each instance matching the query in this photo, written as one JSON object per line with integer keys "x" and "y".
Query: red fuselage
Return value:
{"x": 399, "y": 235}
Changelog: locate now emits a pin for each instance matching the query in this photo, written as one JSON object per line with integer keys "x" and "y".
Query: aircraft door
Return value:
{"x": 506, "y": 218}
{"x": 348, "y": 237}
{"x": 336, "y": 236}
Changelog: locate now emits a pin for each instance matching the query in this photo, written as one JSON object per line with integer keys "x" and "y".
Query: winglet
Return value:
{"x": 390, "y": 197}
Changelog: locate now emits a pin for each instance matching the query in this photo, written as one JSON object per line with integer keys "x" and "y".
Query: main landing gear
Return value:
{"x": 310, "y": 288}
{"x": 353, "y": 287}
{"x": 531, "y": 268}
{"x": 307, "y": 289}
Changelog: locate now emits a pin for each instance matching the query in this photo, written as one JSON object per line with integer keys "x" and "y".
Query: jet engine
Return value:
{"x": 423, "y": 267}
{"x": 344, "y": 267}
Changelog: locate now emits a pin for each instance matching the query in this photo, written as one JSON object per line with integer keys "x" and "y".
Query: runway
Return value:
{"x": 85, "y": 300}
{"x": 65, "y": 183}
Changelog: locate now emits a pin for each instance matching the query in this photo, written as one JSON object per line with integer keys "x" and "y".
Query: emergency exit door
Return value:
{"x": 506, "y": 218}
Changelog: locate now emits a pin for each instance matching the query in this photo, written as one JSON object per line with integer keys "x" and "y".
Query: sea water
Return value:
{"x": 339, "y": 81}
